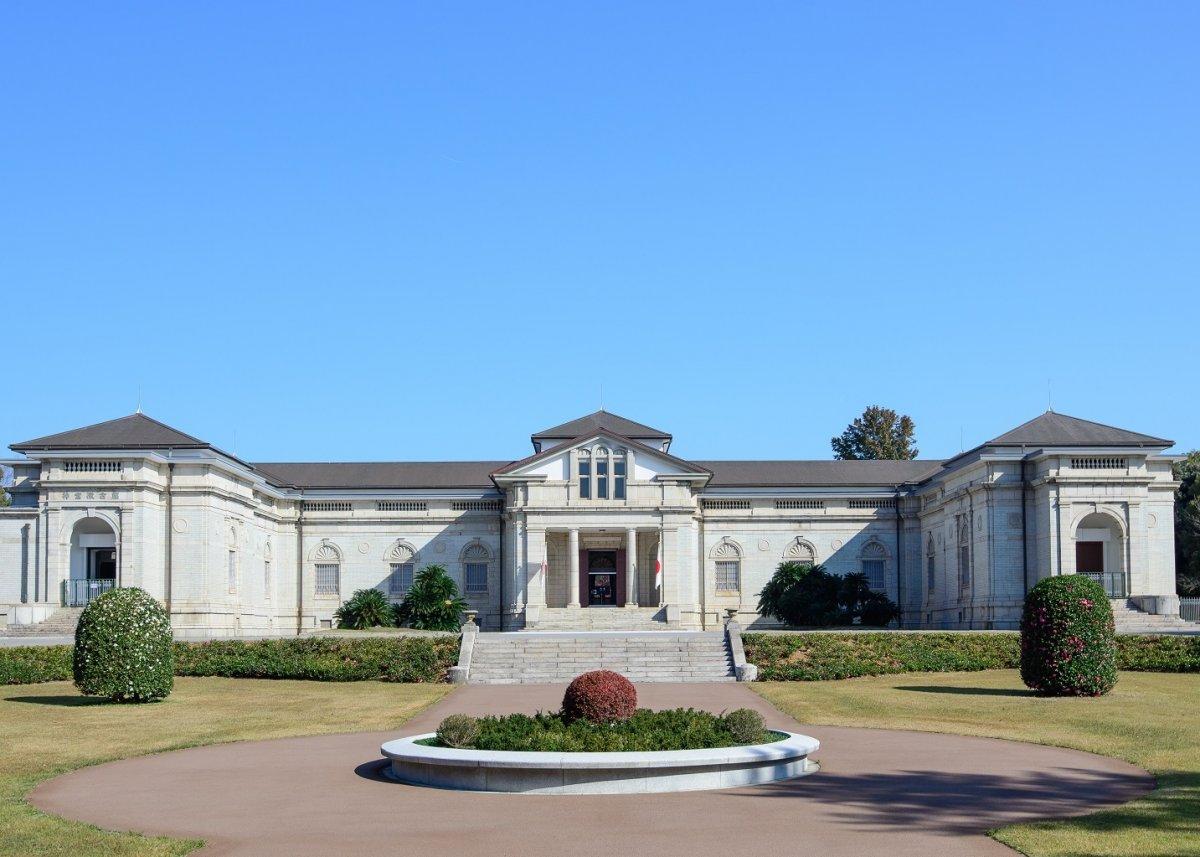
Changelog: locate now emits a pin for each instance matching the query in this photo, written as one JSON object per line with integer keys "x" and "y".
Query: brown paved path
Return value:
{"x": 879, "y": 792}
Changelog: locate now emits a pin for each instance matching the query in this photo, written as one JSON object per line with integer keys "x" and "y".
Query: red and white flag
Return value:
{"x": 658, "y": 567}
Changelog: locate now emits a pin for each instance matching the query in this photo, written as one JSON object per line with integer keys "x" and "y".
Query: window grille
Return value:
{"x": 797, "y": 503}
{"x": 475, "y": 505}
{"x": 873, "y": 569}
{"x": 92, "y": 466}
{"x": 728, "y": 576}
{"x": 889, "y": 503}
{"x": 401, "y": 506}
{"x": 476, "y": 577}
{"x": 1098, "y": 463}
{"x": 713, "y": 503}
{"x": 401, "y": 578}
{"x": 328, "y": 506}
{"x": 328, "y": 579}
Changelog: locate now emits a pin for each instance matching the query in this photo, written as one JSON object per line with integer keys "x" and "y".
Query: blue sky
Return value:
{"x": 380, "y": 231}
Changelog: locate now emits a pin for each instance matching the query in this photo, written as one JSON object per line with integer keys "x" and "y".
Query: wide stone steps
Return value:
{"x": 61, "y": 622}
{"x": 602, "y": 619}
{"x": 531, "y": 658}
{"x": 1129, "y": 620}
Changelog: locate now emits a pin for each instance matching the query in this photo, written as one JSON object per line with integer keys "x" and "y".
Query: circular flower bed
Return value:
{"x": 1068, "y": 646}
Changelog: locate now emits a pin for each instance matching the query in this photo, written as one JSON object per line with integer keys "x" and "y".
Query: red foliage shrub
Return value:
{"x": 600, "y": 696}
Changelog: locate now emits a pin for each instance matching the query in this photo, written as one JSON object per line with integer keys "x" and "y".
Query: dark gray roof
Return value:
{"x": 1051, "y": 429}
{"x": 367, "y": 475}
{"x": 136, "y": 431}
{"x": 842, "y": 474}
{"x": 598, "y": 421}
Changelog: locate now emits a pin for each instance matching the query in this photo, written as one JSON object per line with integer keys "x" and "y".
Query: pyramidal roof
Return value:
{"x": 136, "y": 431}
{"x": 1051, "y": 429}
{"x": 599, "y": 421}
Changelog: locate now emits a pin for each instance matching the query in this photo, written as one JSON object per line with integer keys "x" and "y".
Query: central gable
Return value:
{"x": 554, "y": 464}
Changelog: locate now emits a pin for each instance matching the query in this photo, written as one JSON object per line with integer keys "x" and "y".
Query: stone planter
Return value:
{"x": 598, "y": 773}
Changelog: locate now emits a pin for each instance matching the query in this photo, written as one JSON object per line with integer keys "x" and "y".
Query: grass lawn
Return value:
{"x": 48, "y": 729}
{"x": 1149, "y": 719}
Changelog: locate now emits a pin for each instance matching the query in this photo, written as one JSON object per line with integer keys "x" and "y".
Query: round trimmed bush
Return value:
{"x": 745, "y": 725}
{"x": 599, "y": 696}
{"x": 458, "y": 730}
{"x": 123, "y": 648}
{"x": 1068, "y": 647}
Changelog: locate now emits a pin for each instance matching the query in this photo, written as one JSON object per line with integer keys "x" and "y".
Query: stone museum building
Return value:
{"x": 602, "y": 526}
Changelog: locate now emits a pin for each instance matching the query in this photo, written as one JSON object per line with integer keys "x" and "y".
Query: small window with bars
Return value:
{"x": 328, "y": 578}
{"x": 328, "y": 506}
{"x": 889, "y": 503}
{"x": 92, "y": 466}
{"x": 729, "y": 574}
{"x": 874, "y": 569}
{"x": 799, "y": 503}
{"x": 400, "y": 579}
{"x": 1098, "y": 463}
{"x": 476, "y": 577}
{"x": 715, "y": 503}
{"x": 475, "y": 505}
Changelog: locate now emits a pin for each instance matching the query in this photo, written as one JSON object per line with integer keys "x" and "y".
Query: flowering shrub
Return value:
{"x": 599, "y": 696}
{"x": 123, "y": 648}
{"x": 1067, "y": 642}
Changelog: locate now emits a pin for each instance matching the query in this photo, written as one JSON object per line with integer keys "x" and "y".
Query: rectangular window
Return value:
{"x": 728, "y": 574}
{"x": 401, "y": 578}
{"x": 964, "y": 567}
{"x": 233, "y": 571}
{"x": 618, "y": 480}
{"x": 476, "y": 577}
{"x": 267, "y": 578}
{"x": 873, "y": 569}
{"x": 930, "y": 572}
{"x": 585, "y": 479}
{"x": 328, "y": 582}
{"x": 601, "y": 480}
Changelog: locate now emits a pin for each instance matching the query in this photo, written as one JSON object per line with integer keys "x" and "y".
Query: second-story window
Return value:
{"x": 619, "y": 475}
{"x": 585, "y": 474}
{"x": 602, "y": 473}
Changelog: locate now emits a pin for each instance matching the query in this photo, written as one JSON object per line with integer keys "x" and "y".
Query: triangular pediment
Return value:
{"x": 554, "y": 463}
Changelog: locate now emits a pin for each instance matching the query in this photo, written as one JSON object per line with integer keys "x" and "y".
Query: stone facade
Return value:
{"x": 240, "y": 549}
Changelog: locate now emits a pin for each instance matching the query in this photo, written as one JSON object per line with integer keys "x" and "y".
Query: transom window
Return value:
{"x": 400, "y": 579}
{"x": 476, "y": 558}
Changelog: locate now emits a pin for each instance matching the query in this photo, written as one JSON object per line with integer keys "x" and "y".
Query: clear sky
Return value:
{"x": 423, "y": 231}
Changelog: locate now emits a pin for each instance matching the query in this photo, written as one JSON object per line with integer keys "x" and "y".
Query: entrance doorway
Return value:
{"x": 602, "y": 579}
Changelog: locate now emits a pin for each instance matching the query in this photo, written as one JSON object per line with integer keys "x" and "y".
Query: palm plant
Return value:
{"x": 432, "y": 602}
{"x": 366, "y": 608}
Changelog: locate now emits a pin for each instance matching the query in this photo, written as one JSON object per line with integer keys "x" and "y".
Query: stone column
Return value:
{"x": 631, "y": 581}
{"x": 573, "y": 565}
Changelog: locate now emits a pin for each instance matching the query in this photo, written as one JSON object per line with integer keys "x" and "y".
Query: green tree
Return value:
{"x": 1187, "y": 525}
{"x": 6, "y": 477}
{"x": 879, "y": 434}
{"x": 432, "y": 602}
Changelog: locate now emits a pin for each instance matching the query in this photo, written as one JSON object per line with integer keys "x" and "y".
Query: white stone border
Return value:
{"x": 598, "y": 773}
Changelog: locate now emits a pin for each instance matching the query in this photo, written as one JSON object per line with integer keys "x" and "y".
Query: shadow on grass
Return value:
{"x": 968, "y": 691}
{"x": 62, "y": 701}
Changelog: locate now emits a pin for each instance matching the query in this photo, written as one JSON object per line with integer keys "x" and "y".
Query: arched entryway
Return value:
{"x": 94, "y": 561}
{"x": 1100, "y": 553}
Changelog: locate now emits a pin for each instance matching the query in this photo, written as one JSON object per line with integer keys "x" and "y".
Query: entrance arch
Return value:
{"x": 1100, "y": 553}
{"x": 94, "y": 561}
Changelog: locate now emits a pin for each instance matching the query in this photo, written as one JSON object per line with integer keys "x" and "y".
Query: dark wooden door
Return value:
{"x": 1089, "y": 557}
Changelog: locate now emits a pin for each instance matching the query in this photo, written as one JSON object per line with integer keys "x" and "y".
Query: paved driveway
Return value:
{"x": 879, "y": 792}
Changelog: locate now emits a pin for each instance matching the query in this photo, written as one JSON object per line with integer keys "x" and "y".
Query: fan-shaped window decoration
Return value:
{"x": 874, "y": 565}
{"x": 727, "y": 569}
{"x": 401, "y": 558}
{"x": 618, "y": 465}
{"x": 585, "y": 474}
{"x": 798, "y": 550}
{"x": 476, "y": 559}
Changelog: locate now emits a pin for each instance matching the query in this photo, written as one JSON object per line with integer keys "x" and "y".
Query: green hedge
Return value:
{"x": 820, "y": 656}
{"x": 401, "y": 659}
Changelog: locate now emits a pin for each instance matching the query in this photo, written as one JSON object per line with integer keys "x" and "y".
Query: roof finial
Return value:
{"x": 1049, "y": 404}
{"x": 601, "y": 395}
{"x": 139, "y": 403}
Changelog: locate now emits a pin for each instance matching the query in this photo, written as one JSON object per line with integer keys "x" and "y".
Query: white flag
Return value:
{"x": 658, "y": 566}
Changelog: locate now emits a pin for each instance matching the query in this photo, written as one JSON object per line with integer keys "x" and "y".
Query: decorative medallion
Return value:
{"x": 1152, "y": 520}
{"x": 363, "y": 547}
{"x": 836, "y": 544}
{"x": 440, "y": 547}
{"x": 179, "y": 525}
{"x": 1014, "y": 520}
{"x": 764, "y": 545}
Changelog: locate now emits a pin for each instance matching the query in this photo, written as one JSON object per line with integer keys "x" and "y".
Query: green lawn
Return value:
{"x": 48, "y": 729}
{"x": 1149, "y": 719}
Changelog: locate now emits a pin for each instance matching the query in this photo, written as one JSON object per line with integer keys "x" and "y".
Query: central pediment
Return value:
{"x": 554, "y": 464}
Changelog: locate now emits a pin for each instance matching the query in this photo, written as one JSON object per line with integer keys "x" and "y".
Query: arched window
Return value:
{"x": 476, "y": 558}
{"x": 327, "y": 562}
{"x": 874, "y": 565}
{"x": 619, "y": 474}
{"x": 963, "y": 523}
{"x": 402, "y": 562}
{"x": 585, "y": 474}
{"x": 727, "y": 569}
{"x": 602, "y": 463}
{"x": 930, "y": 566}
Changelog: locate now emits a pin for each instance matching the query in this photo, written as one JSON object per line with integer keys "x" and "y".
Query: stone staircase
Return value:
{"x": 1130, "y": 620}
{"x": 61, "y": 622}
{"x": 606, "y": 619}
{"x": 539, "y": 658}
